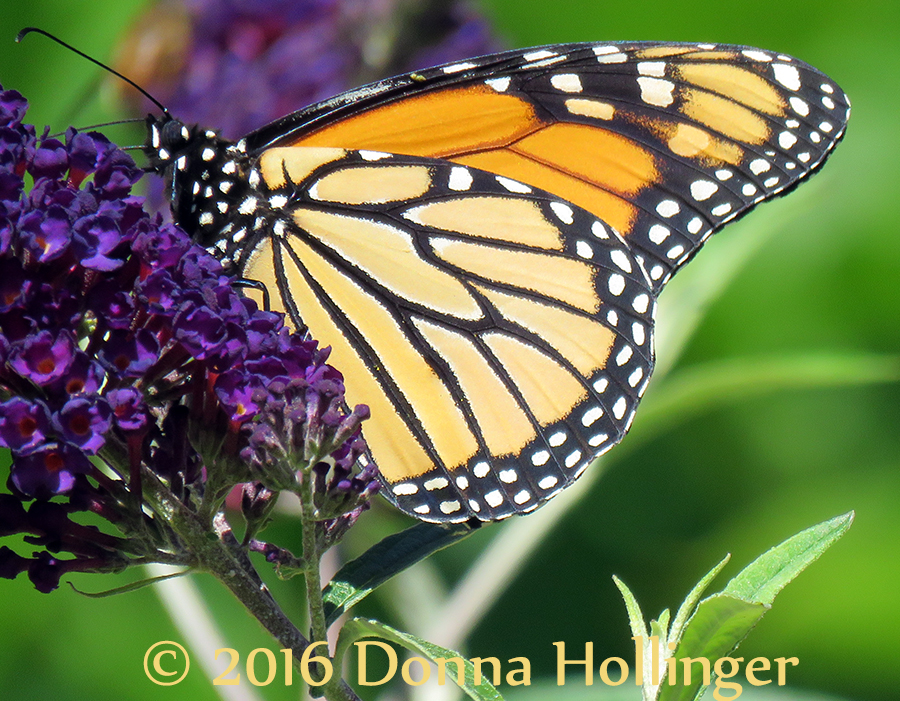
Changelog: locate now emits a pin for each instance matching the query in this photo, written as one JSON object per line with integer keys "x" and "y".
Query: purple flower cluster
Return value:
{"x": 124, "y": 351}
{"x": 61, "y": 251}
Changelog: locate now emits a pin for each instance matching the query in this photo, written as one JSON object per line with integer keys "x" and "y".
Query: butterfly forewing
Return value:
{"x": 664, "y": 142}
{"x": 501, "y": 336}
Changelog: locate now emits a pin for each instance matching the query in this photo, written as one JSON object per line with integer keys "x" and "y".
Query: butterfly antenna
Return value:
{"x": 115, "y": 123}
{"x": 29, "y": 30}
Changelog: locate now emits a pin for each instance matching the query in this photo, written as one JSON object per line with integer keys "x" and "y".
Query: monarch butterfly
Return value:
{"x": 482, "y": 243}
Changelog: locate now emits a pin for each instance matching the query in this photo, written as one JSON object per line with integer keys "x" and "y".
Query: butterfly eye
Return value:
{"x": 174, "y": 136}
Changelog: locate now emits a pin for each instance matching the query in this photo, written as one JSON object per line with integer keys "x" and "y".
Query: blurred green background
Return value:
{"x": 738, "y": 473}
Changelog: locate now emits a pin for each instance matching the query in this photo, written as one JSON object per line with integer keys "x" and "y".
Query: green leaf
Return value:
{"x": 635, "y": 616}
{"x": 690, "y": 603}
{"x": 359, "y": 628}
{"x": 360, "y": 577}
{"x": 638, "y": 630}
{"x": 760, "y": 581}
{"x": 720, "y": 622}
{"x": 717, "y": 626}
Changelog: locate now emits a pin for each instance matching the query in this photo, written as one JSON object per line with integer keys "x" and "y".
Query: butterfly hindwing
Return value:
{"x": 501, "y": 336}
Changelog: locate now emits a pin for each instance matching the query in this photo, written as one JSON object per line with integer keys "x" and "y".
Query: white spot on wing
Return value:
{"x": 405, "y": 489}
{"x": 540, "y": 458}
{"x": 583, "y": 249}
{"x": 703, "y": 189}
{"x": 620, "y": 259}
{"x": 449, "y": 507}
{"x": 458, "y": 67}
{"x": 494, "y": 498}
{"x": 513, "y": 185}
{"x": 460, "y": 179}
{"x": 616, "y": 284}
{"x": 658, "y": 233}
{"x": 656, "y": 91}
{"x": 563, "y": 212}
{"x": 759, "y": 165}
{"x": 799, "y": 106}
{"x": 668, "y": 208}
{"x": 641, "y": 303}
{"x": 436, "y": 483}
{"x": 615, "y": 57}
{"x": 636, "y": 377}
{"x": 591, "y": 416}
{"x": 566, "y": 82}
{"x": 538, "y": 55}
{"x": 722, "y": 209}
{"x": 756, "y": 55}
{"x": 787, "y": 75}
{"x": 373, "y": 155}
{"x": 654, "y": 68}
{"x": 786, "y": 139}
{"x": 638, "y": 333}
{"x": 498, "y": 84}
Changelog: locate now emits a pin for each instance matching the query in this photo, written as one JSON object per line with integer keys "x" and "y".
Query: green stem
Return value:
{"x": 221, "y": 555}
{"x": 217, "y": 556}
{"x": 312, "y": 556}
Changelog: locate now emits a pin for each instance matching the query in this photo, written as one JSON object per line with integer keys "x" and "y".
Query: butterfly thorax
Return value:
{"x": 207, "y": 180}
